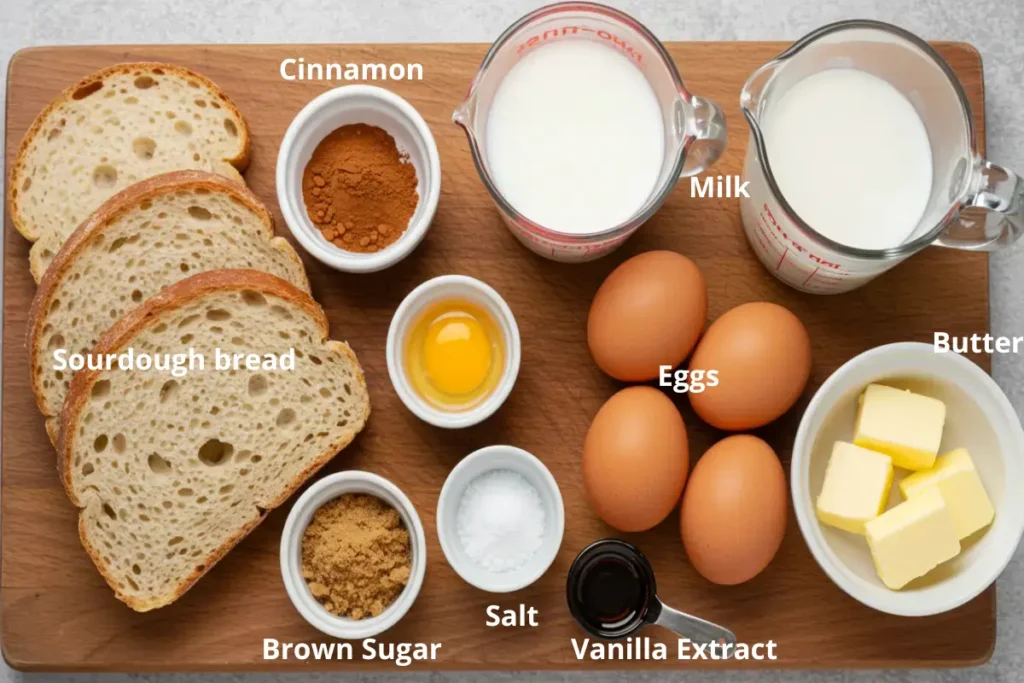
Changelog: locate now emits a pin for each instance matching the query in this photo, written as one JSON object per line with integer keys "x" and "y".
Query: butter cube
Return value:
{"x": 856, "y": 487}
{"x": 956, "y": 478}
{"x": 903, "y": 425}
{"x": 912, "y": 538}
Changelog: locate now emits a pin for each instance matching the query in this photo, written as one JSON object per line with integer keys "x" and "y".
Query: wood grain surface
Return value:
{"x": 57, "y": 613}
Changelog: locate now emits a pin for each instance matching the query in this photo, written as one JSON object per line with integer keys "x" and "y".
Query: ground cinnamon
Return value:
{"x": 356, "y": 557}
{"x": 360, "y": 191}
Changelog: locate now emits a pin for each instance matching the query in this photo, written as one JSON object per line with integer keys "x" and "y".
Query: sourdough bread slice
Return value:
{"x": 114, "y": 128}
{"x": 141, "y": 240}
{"x": 170, "y": 473}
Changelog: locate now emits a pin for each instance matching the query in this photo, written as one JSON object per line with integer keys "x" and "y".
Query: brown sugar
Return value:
{"x": 359, "y": 190}
{"x": 356, "y": 557}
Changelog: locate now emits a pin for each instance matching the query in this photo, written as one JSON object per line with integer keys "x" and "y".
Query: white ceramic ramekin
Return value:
{"x": 439, "y": 289}
{"x": 332, "y": 486}
{"x": 978, "y": 417}
{"x": 534, "y": 471}
{"x": 339, "y": 107}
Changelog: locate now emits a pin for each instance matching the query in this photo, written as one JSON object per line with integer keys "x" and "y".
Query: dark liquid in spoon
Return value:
{"x": 611, "y": 592}
{"x": 610, "y": 589}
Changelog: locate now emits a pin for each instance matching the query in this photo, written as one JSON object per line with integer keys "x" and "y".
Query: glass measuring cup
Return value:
{"x": 612, "y": 594}
{"x": 694, "y": 127}
{"x": 974, "y": 204}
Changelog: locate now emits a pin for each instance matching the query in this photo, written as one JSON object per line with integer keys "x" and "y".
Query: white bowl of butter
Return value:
{"x": 978, "y": 417}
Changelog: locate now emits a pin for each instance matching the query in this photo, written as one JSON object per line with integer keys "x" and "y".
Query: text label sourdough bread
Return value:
{"x": 175, "y": 364}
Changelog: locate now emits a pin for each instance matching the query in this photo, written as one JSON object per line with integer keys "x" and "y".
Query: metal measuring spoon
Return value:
{"x": 612, "y": 594}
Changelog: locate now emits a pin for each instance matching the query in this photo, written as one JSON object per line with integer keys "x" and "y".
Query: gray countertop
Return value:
{"x": 993, "y": 26}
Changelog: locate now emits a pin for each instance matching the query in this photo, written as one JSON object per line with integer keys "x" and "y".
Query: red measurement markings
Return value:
{"x": 553, "y": 33}
{"x": 768, "y": 239}
{"x": 824, "y": 280}
{"x": 796, "y": 246}
{"x": 759, "y": 237}
{"x": 553, "y": 246}
{"x": 782, "y": 259}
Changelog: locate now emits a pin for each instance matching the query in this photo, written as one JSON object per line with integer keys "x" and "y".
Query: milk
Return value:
{"x": 574, "y": 137}
{"x": 851, "y": 156}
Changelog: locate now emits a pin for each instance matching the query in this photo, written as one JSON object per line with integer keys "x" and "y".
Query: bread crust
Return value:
{"x": 149, "y": 314}
{"x": 121, "y": 203}
{"x": 240, "y": 161}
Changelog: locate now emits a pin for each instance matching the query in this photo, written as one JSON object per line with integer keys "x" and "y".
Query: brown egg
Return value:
{"x": 733, "y": 514}
{"x": 648, "y": 312}
{"x": 635, "y": 459}
{"x": 763, "y": 357}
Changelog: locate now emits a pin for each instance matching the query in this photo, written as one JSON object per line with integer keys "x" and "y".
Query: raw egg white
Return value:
{"x": 635, "y": 459}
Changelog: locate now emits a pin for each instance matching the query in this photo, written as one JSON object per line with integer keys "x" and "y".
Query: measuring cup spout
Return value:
{"x": 688, "y": 626}
{"x": 463, "y": 114}
{"x": 754, "y": 89}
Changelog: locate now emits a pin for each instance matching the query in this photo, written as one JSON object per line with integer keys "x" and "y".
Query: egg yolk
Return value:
{"x": 453, "y": 355}
{"x": 456, "y": 354}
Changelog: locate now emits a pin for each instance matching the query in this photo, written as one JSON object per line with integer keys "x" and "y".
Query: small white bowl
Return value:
{"x": 336, "y": 108}
{"x": 533, "y": 470}
{"x": 978, "y": 417}
{"x": 430, "y": 292}
{"x": 328, "y": 488}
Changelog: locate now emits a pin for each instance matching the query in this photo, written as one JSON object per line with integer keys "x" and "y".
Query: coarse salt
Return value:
{"x": 500, "y": 521}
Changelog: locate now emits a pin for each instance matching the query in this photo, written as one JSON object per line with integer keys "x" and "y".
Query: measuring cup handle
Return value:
{"x": 999, "y": 192}
{"x": 705, "y": 134}
{"x": 696, "y": 629}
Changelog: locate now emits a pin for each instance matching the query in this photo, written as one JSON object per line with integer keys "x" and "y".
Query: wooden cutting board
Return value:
{"x": 57, "y": 613}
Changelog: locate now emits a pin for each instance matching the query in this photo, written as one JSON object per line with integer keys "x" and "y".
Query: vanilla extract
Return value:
{"x": 610, "y": 588}
{"x": 640, "y": 648}
{"x": 612, "y": 594}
